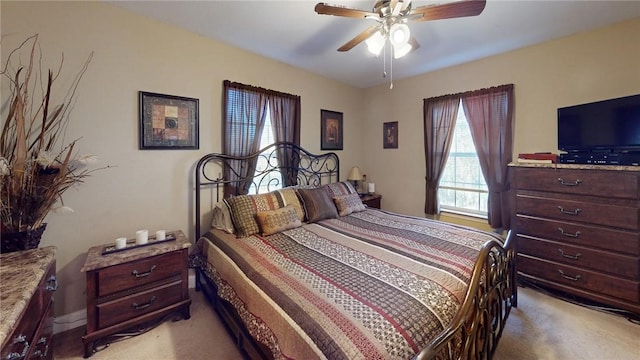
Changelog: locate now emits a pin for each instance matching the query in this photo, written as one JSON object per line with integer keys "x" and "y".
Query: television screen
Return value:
{"x": 609, "y": 125}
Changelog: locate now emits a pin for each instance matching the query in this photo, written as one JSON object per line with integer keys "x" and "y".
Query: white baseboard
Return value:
{"x": 79, "y": 318}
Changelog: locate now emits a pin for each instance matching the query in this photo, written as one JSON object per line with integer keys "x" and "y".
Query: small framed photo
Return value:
{"x": 390, "y": 135}
{"x": 168, "y": 122}
{"x": 330, "y": 130}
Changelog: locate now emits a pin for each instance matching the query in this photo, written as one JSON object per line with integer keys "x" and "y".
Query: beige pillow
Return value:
{"x": 274, "y": 221}
{"x": 348, "y": 204}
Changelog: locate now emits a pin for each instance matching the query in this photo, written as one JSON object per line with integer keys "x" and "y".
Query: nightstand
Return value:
{"x": 135, "y": 286}
{"x": 371, "y": 200}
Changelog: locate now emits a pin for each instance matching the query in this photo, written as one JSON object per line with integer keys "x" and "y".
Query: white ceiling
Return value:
{"x": 291, "y": 31}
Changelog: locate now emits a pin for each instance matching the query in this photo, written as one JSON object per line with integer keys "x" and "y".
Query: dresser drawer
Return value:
{"x": 617, "y": 265}
{"x": 129, "y": 307}
{"x": 133, "y": 274}
{"x": 614, "y": 184}
{"x": 578, "y": 211}
{"x": 597, "y": 237}
{"x": 579, "y": 278}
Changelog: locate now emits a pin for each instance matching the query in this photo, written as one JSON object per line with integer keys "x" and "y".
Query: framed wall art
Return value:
{"x": 330, "y": 130}
{"x": 390, "y": 135}
{"x": 168, "y": 122}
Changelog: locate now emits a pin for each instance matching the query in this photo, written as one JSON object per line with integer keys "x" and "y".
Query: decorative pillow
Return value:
{"x": 317, "y": 204}
{"x": 341, "y": 188}
{"x": 274, "y": 221}
{"x": 222, "y": 217}
{"x": 244, "y": 208}
{"x": 348, "y": 204}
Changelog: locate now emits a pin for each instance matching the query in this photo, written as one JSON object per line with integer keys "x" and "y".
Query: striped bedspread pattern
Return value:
{"x": 372, "y": 285}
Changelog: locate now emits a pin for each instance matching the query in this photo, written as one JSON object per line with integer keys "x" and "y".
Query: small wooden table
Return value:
{"x": 135, "y": 286}
{"x": 371, "y": 200}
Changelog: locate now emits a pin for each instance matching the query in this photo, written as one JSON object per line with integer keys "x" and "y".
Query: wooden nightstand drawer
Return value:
{"x": 129, "y": 307}
{"x": 129, "y": 275}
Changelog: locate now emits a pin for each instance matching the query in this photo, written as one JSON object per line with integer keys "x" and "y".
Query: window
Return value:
{"x": 272, "y": 180}
{"x": 462, "y": 188}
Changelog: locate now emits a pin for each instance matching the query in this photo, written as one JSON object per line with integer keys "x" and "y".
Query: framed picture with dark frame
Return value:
{"x": 390, "y": 135}
{"x": 168, "y": 122}
{"x": 330, "y": 130}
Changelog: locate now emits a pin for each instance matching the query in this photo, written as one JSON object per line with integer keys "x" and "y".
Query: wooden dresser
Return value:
{"x": 26, "y": 292}
{"x": 578, "y": 230}
{"x": 134, "y": 287}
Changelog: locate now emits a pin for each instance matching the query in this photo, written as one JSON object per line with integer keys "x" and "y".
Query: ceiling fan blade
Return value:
{"x": 326, "y": 9}
{"x": 449, "y": 10}
{"x": 359, "y": 38}
{"x": 414, "y": 43}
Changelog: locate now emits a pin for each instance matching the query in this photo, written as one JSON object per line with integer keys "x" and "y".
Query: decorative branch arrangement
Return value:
{"x": 37, "y": 164}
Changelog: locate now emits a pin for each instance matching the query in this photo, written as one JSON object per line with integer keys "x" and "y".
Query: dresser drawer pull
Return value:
{"x": 573, "y": 257}
{"x": 38, "y": 353}
{"x": 572, "y": 278}
{"x": 575, "y": 183}
{"x": 567, "y": 212}
{"x": 575, "y": 235}
{"x": 139, "y": 275}
{"x": 143, "y": 306}
{"x": 52, "y": 284}
{"x": 17, "y": 356}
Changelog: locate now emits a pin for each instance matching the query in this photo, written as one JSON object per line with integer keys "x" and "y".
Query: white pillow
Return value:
{"x": 222, "y": 218}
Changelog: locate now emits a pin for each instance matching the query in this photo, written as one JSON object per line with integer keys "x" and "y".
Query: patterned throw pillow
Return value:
{"x": 341, "y": 188}
{"x": 317, "y": 204}
{"x": 348, "y": 204}
{"x": 244, "y": 208}
{"x": 274, "y": 221}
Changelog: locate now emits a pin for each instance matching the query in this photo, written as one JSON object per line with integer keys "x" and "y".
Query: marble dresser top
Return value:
{"x": 97, "y": 260}
{"x": 20, "y": 273}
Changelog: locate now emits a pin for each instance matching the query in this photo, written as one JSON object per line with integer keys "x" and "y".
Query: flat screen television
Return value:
{"x": 610, "y": 125}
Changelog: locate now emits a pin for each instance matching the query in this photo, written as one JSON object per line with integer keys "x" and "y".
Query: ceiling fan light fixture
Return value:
{"x": 375, "y": 43}
{"x": 400, "y": 50}
{"x": 399, "y": 33}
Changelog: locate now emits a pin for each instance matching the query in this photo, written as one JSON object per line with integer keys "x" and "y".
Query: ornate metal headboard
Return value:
{"x": 276, "y": 166}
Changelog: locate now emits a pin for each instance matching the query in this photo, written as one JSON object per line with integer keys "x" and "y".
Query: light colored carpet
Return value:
{"x": 541, "y": 327}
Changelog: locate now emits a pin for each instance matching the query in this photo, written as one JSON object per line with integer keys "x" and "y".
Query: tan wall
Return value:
{"x": 148, "y": 189}
{"x": 581, "y": 68}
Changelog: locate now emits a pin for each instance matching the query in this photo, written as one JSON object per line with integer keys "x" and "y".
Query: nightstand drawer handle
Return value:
{"x": 572, "y": 278}
{"x": 575, "y": 235}
{"x": 143, "y": 306}
{"x": 575, "y": 183}
{"x": 139, "y": 275}
{"x": 573, "y": 257}
{"x": 52, "y": 283}
{"x": 567, "y": 212}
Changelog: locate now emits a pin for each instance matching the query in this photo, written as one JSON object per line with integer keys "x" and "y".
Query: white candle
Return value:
{"x": 372, "y": 188}
{"x": 142, "y": 237}
{"x": 160, "y": 235}
{"x": 121, "y": 243}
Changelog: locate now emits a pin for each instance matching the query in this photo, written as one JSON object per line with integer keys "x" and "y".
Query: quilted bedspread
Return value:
{"x": 372, "y": 285}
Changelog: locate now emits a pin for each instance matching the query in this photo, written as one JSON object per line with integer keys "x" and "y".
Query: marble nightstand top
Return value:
{"x": 97, "y": 260}
{"x": 20, "y": 274}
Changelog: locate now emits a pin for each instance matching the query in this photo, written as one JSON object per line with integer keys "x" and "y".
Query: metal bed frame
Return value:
{"x": 477, "y": 327}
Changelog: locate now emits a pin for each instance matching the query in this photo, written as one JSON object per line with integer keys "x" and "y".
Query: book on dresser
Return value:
{"x": 578, "y": 231}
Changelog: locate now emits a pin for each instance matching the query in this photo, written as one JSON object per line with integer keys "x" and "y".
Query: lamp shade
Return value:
{"x": 399, "y": 33}
{"x": 355, "y": 174}
{"x": 375, "y": 43}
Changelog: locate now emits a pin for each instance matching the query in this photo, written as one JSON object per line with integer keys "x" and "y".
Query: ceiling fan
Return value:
{"x": 392, "y": 17}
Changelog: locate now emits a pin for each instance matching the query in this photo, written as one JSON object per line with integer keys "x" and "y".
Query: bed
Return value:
{"x": 304, "y": 270}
